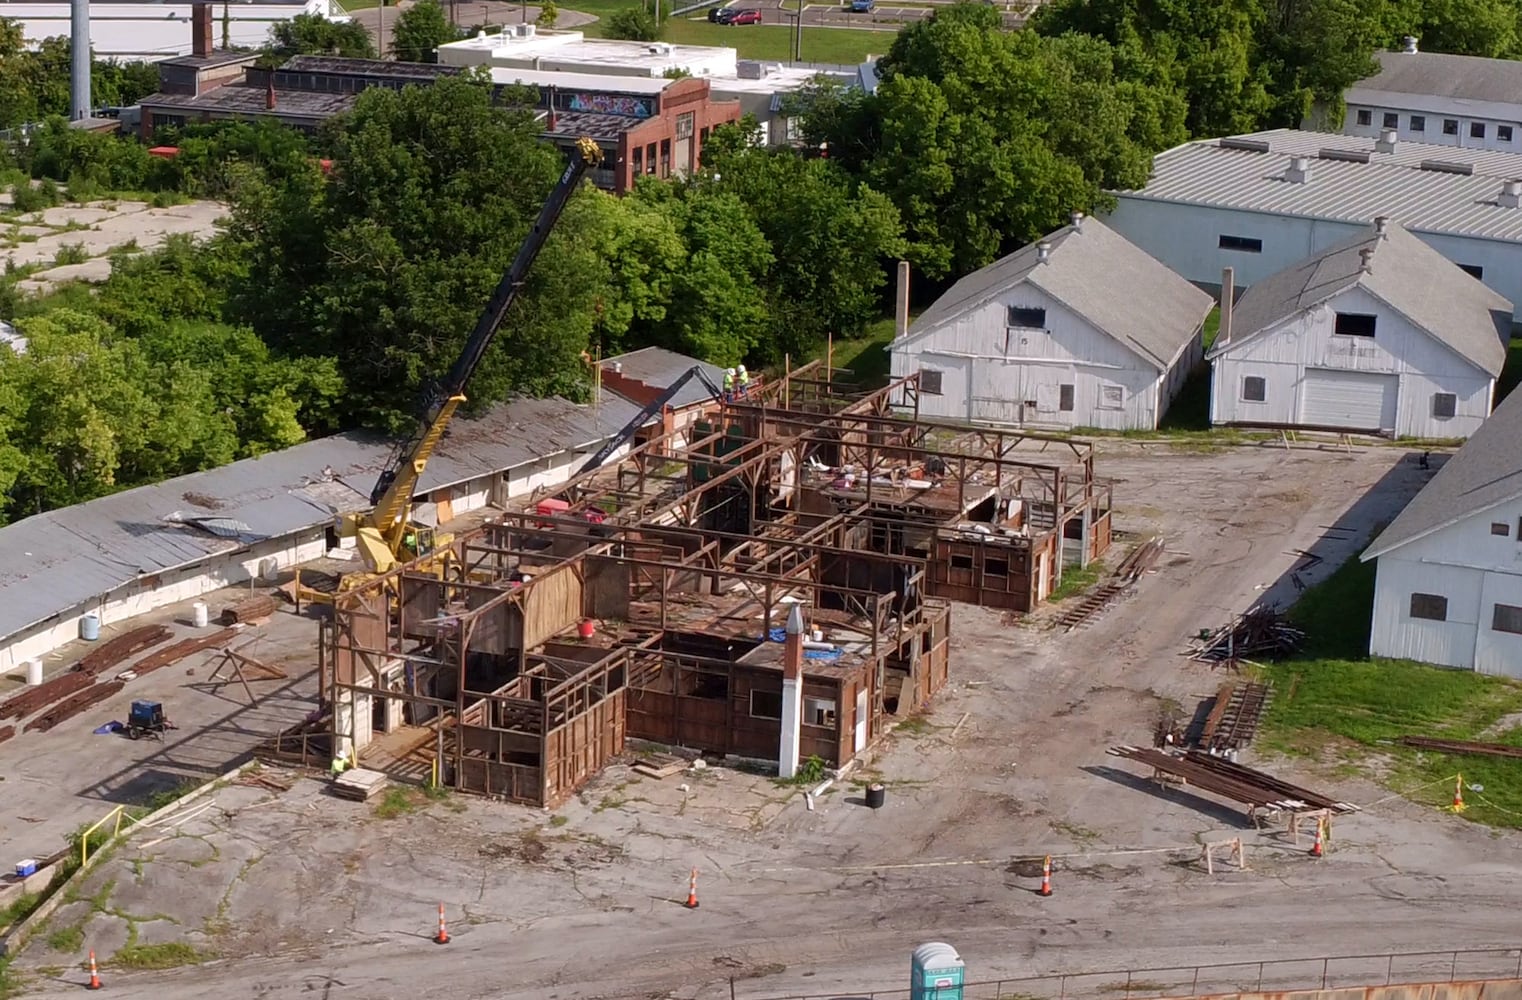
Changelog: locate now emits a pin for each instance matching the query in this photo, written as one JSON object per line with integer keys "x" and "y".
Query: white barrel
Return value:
{"x": 201, "y": 614}
{"x": 34, "y": 672}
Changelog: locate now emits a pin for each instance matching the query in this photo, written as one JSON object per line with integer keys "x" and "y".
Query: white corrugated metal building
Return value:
{"x": 144, "y": 548}
{"x": 1437, "y": 98}
{"x": 1377, "y": 334}
{"x": 1448, "y": 584}
{"x": 1259, "y": 203}
{"x": 1080, "y": 329}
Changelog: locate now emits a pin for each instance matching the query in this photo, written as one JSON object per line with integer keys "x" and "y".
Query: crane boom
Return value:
{"x": 380, "y": 534}
{"x": 650, "y": 410}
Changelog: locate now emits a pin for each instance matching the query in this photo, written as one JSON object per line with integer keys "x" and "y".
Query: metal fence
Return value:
{"x": 1277, "y": 975}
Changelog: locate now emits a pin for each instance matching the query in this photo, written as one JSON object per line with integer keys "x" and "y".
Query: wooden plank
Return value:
{"x": 108, "y": 654}
{"x": 173, "y": 654}
{"x": 46, "y": 693}
{"x": 73, "y": 705}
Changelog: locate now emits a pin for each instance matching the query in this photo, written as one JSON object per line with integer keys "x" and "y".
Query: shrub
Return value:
{"x": 634, "y": 24}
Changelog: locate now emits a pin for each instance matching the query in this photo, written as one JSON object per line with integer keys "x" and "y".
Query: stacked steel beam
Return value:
{"x": 1231, "y": 780}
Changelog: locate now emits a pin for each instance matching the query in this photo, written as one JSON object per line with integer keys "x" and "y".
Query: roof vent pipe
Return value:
{"x": 1409, "y": 44}
{"x": 1366, "y": 260}
{"x": 1077, "y": 220}
{"x": 1381, "y": 224}
{"x": 1299, "y": 170}
{"x": 1043, "y": 252}
{"x": 1511, "y": 195}
{"x": 1386, "y": 141}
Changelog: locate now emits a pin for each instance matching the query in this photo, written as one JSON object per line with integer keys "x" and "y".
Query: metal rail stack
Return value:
{"x": 1116, "y": 586}
{"x": 1255, "y": 789}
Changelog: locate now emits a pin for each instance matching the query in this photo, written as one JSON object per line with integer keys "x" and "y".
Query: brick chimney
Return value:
{"x": 200, "y": 33}
{"x": 792, "y": 696}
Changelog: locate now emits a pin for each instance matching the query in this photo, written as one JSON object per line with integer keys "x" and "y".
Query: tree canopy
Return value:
{"x": 34, "y": 83}
{"x": 420, "y": 30}
{"x": 315, "y": 35}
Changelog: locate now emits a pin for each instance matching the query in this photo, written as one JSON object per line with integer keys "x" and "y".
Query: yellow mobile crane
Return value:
{"x": 382, "y": 533}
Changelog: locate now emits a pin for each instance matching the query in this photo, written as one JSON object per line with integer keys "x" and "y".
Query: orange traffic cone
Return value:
{"x": 1046, "y": 876}
{"x": 442, "y": 937}
{"x": 94, "y": 973}
{"x": 1318, "y": 848}
{"x": 1458, "y": 793}
{"x": 692, "y": 891}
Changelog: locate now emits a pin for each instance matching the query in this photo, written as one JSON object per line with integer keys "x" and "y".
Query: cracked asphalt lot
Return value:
{"x": 298, "y": 893}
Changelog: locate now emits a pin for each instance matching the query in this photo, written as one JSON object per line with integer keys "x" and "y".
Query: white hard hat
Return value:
{"x": 742, "y": 369}
{"x": 729, "y": 371}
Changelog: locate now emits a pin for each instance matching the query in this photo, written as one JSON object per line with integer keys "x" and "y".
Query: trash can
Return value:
{"x": 876, "y": 795}
{"x": 89, "y": 628}
{"x": 936, "y": 972}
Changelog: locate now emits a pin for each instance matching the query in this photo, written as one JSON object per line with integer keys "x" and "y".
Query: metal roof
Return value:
{"x": 1485, "y": 473}
{"x": 658, "y": 368}
{"x": 243, "y": 98}
{"x": 1430, "y": 199}
{"x": 52, "y": 563}
{"x": 1438, "y": 74}
{"x": 1114, "y": 285}
{"x": 1406, "y": 274}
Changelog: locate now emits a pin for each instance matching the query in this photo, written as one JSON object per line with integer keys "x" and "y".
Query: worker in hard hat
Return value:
{"x": 729, "y": 384}
{"x": 743, "y": 377}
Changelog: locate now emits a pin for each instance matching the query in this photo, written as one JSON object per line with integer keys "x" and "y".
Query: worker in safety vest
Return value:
{"x": 339, "y": 763}
{"x": 729, "y": 384}
{"x": 744, "y": 379}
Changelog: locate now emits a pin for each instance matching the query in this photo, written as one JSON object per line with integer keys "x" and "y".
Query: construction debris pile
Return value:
{"x": 1259, "y": 633}
{"x": 1228, "y": 779}
{"x": 1119, "y": 583}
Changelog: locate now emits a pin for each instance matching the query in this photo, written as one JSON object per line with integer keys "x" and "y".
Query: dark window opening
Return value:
{"x": 996, "y": 567}
{"x": 1503, "y": 133}
{"x": 1254, "y": 389}
{"x": 1365, "y": 116}
{"x": 1444, "y": 404}
{"x": 1354, "y": 325}
{"x": 1418, "y": 123}
{"x": 1506, "y": 618}
{"x": 1065, "y": 397}
{"x": 1473, "y": 270}
{"x": 930, "y": 381}
{"x": 1035, "y": 319}
{"x": 766, "y": 705}
{"x": 700, "y": 685}
{"x": 1500, "y": 528}
{"x": 1450, "y": 126}
{"x": 1246, "y": 244}
{"x": 1391, "y": 120}
{"x": 961, "y": 562}
{"x": 1476, "y": 130}
{"x": 1431, "y": 607}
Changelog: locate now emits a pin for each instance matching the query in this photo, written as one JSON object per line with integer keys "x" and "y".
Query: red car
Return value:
{"x": 746, "y": 17}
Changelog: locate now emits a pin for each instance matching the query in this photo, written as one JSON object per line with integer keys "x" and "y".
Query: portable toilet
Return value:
{"x": 936, "y": 972}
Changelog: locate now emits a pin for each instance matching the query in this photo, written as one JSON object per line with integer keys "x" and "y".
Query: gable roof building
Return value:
{"x": 1448, "y": 587}
{"x": 1381, "y": 315}
{"x": 1048, "y": 321}
{"x": 1434, "y": 97}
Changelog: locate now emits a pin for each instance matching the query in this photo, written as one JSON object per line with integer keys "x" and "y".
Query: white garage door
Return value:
{"x": 1355, "y": 401}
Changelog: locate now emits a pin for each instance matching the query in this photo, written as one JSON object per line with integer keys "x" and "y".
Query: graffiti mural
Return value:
{"x": 612, "y": 104}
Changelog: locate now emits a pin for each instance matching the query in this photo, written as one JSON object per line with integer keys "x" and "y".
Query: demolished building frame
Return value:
{"x": 809, "y": 493}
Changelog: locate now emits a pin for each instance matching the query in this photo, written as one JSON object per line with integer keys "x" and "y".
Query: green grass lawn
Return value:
{"x": 773, "y": 42}
{"x": 1334, "y": 703}
{"x": 865, "y": 356}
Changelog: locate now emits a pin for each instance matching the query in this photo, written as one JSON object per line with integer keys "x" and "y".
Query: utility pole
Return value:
{"x": 798, "y": 38}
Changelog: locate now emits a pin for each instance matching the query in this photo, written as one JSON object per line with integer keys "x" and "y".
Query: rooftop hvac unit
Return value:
{"x": 1346, "y": 155}
{"x": 523, "y": 30}
{"x": 750, "y": 69}
{"x": 661, "y": 48}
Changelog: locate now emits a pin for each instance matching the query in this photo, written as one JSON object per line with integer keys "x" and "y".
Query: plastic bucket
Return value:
{"x": 876, "y": 796}
{"x": 586, "y": 629}
{"x": 201, "y": 614}
{"x": 89, "y": 628}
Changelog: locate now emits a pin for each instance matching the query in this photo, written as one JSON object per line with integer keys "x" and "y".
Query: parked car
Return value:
{"x": 720, "y": 14}
{"x": 863, "y": 6}
{"x": 748, "y": 16}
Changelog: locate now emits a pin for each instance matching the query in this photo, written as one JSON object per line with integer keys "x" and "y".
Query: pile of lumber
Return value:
{"x": 358, "y": 784}
{"x": 108, "y": 654}
{"x": 1140, "y": 560}
{"x": 1231, "y": 780}
{"x": 254, "y": 610}
{"x": 46, "y": 693}
{"x": 73, "y": 705}
{"x": 173, "y": 654}
{"x": 1462, "y": 746}
{"x": 660, "y": 765}
{"x": 6, "y": 732}
{"x": 1260, "y": 633}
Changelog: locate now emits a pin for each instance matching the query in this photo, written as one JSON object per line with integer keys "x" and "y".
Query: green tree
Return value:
{"x": 420, "y": 30}
{"x": 313, "y": 34}
{"x": 387, "y": 264}
{"x": 548, "y": 14}
{"x": 634, "y": 24}
{"x": 18, "y": 101}
{"x": 829, "y": 235}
